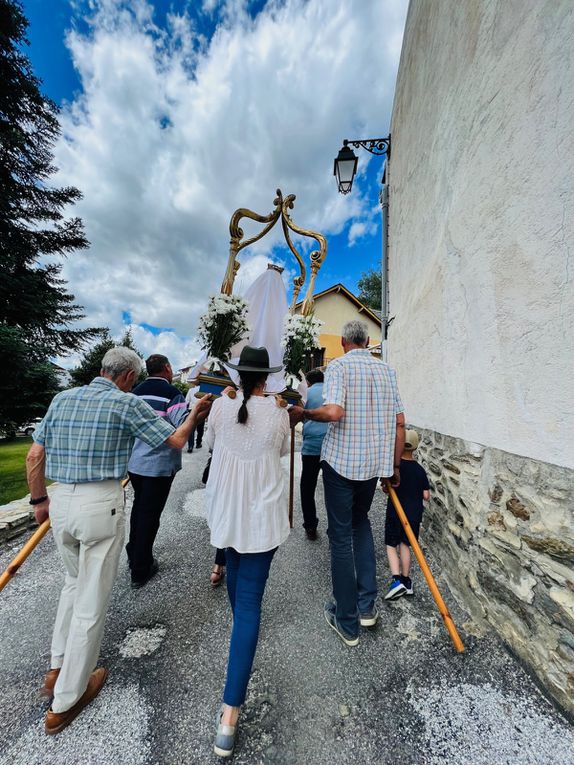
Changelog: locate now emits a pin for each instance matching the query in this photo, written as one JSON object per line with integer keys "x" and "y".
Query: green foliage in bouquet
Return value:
{"x": 300, "y": 337}
{"x": 223, "y": 326}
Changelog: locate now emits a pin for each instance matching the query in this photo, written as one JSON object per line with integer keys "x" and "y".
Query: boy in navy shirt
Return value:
{"x": 413, "y": 489}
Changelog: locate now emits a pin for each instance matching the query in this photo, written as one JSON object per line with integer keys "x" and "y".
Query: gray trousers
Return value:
{"x": 88, "y": 523}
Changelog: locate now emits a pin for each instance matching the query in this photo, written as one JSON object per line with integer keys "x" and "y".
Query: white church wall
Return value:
{"x": 482, "y": 224}
{"x": 481, "y": 237}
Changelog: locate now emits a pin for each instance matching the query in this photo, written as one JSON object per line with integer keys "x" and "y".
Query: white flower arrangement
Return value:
{"x": 223, "y": 325}
{"x": 300, "y": 337}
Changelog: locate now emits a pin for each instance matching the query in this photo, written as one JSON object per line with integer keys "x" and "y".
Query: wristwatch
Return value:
{"x": 38, "y": 500}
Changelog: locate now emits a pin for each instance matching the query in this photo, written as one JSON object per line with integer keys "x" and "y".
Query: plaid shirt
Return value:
{"x": 361, "y": 445}
{"x": 89, "y": 432}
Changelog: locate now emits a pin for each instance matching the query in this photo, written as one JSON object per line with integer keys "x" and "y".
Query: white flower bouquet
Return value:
{"x": 223, "y": 325}
{"x": 300, "y": 337}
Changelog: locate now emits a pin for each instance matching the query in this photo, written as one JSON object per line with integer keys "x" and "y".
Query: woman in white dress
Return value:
{"x": 247, "y": 513}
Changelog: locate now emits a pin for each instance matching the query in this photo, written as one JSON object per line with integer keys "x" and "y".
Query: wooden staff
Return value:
{"x": 29, "y": 547}
{"x": 291, "y": 476}
{"x": 419, "y": 555}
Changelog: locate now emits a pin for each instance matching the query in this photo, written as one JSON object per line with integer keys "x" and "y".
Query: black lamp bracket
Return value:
{"x": 377, "y": 146}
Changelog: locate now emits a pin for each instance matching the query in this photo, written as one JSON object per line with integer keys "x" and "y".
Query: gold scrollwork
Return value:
{"x": 280, "y": 210}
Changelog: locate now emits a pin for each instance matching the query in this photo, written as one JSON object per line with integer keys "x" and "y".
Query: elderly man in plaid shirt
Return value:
{"x": 364, "y": 442}
{"x": 84, "y": 442}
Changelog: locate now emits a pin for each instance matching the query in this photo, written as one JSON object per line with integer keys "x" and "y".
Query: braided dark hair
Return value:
{"x": 249, "y": 381}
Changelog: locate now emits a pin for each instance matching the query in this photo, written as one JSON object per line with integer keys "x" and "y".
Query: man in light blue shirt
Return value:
{"x": 313, "y": 435}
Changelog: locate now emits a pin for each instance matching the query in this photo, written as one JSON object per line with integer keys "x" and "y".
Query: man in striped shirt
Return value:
{"x": 84, "y": 442}
{"x": 364, "y": 442}
{"x": 152, "y": 468}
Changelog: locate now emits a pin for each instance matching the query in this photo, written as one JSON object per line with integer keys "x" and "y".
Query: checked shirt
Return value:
{"x": 361, "y": 445}
{"x": 88, "y": 432}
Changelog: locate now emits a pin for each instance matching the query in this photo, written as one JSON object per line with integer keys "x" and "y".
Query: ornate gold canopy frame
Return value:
{"x": 281, "y": 210}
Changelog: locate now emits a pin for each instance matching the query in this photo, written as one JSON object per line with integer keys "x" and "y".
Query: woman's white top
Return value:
{"x": 246, "y": 493}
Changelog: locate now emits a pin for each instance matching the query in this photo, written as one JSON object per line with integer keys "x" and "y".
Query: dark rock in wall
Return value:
{"x": 555, "y": 548}
{"x": 515, "y": 506}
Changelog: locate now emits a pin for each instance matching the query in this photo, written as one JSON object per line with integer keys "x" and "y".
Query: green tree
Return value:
{"x": 38, "y": 316}
{"x": 370, "y": 286}
{"x": 91, "y": 362}
{"x": 30, "y": 391}
{"x": 181, "y": 386}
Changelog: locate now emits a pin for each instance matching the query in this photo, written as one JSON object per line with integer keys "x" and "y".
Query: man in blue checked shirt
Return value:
{"x": 84, "y": 443}
{"x": 364, "y": 442}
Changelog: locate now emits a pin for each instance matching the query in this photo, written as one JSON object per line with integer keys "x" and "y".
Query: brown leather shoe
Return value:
{"x": 57, "y": 721}
{"x": 47, "y": 690}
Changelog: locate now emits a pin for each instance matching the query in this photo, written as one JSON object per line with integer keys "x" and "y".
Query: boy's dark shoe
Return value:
{"x": 311, "y": 534}
{"x": 397, "y": 589}
{"x": 408, "y": 582}
{"x": 57, "y": 721}
{"x": 137, "y": 583}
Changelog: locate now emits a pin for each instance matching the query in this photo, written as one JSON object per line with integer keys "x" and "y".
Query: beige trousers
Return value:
{"x": 88, "y": 523}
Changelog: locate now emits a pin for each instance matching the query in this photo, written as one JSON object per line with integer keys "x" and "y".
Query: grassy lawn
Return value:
{"x": 13, "y": 469}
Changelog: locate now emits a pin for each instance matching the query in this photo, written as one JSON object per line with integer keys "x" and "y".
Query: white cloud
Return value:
{"x": 180, "y": 352}
{"x": 171, "y": 133}
{"x": 208, "y": 6}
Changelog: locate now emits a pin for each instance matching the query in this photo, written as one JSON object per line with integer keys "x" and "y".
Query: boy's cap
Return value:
{"x": 411, "y": 440}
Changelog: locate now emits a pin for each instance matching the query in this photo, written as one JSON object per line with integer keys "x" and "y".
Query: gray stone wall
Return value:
{"x": 503, "y": 527}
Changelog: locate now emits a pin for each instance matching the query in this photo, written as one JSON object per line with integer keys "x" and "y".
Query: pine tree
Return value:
{"x": 91, "y": 362}
{"x": 38, "y": 315}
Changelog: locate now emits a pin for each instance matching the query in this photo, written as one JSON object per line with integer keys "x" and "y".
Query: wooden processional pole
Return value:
{"x": 291, "y": 476}
{"x": 419, "y": 555}
{"x": 29, "y": 547}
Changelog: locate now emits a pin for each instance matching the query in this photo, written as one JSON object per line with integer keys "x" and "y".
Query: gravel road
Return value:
{"x": 403, "y": 696}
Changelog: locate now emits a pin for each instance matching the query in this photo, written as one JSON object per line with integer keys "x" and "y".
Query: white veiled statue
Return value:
{"x": 267, "y": 299}
{"x": 268, "y": 307}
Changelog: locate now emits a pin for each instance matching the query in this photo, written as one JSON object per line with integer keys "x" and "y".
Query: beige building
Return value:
{"x": 336, "y": 306}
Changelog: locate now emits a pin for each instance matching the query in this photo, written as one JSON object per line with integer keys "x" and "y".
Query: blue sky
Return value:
{"x": 174, "y": 113}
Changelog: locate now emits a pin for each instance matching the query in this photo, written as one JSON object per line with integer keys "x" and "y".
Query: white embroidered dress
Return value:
{"x": 246, "y": 493}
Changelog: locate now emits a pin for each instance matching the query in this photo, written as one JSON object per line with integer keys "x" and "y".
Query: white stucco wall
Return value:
{"x": 481, "y": 223}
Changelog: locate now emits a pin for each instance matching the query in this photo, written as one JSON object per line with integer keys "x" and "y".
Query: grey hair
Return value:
{"x": 119, "y": 360}
{"x": 355, "y": 332}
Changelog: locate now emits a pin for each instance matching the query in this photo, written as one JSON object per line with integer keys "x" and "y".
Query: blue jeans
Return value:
{"x": 353, "y": 563}
{"x": 246, "y": 578}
